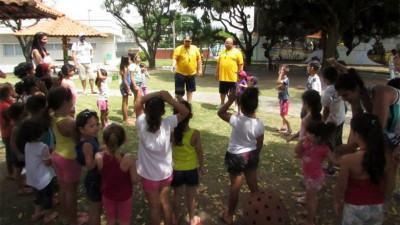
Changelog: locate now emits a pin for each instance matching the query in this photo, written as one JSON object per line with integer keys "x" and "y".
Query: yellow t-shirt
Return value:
{"x": 184, "y": 156}
{"x": 229, "y": 62}
{"x": 65, "y": 146}
{"x": 186, "y": 59}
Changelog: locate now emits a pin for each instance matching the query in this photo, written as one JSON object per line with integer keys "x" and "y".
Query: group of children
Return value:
{"x": 42, "y": 134}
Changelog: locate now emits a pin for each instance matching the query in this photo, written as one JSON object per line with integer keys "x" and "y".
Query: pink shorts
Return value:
{"x": 151, "y": 185}
{"x": 284, "y": 107}
{"x": 314, "y": 183}
{"x": 102, "y": 104}
{"x": 117, "y": 210}
{"x": 67, "y": 170}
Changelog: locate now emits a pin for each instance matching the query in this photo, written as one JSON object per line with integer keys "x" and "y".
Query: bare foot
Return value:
{"x": 226, "y": 218}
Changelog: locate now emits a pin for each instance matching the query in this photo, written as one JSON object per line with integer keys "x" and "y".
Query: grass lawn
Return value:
{"x": 278, "y": 169}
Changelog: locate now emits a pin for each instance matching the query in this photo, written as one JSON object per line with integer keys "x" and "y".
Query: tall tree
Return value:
{"x": 232, "y": 14}
{"x": 24, "y": 41}
{"x": 156, "y": 17}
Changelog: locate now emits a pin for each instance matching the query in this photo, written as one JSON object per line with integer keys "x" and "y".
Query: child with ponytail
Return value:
{"x": 155, "y": 153}
{"x": 118, "y": 174}
{"x": 360, "y": 191}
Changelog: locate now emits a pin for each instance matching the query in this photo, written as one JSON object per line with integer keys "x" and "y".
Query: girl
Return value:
{"x": 102, "y": 100}
{"x": 313, "y": 150}
{"x": 312, "y": 112}
{"x": 65, "y": 78}
{"x": 39, "y": 53}
{"x": 360, "y": 191}
{"x": 117, "y": 170}
{"x": 244, "y": 147}
{"x": 24, "y": 69}
{"x": 67, "y": 169}
{"x": 283, "y": 96}
{"x": 187, "y": 155}
{"x": 155, "y": 154}
{"x": 39, "y": 173}
{"x": 6, "y": 99}
{"x": 87, "y": 127}
{"x": 125, "y": 86}
{"x": 145, "y": 76}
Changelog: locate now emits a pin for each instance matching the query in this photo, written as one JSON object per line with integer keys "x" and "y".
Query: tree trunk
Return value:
{"x": 330, "y": 45}
{"x": 152, "y": 58}
{"x": 248, "y": 54}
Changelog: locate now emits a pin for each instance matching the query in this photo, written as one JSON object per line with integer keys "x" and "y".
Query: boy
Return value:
{"x": 283, "y": 96}
{"x": 313, "y": 81}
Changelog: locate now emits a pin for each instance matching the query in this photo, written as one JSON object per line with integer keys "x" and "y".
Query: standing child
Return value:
{"x": 244, "y": 147}
{"x": 125, "y": 86}
{"x": 360, "y": 190}
{"x": 117, "y": 170}
{"x": 87, "y": 125}
{"x": 65, "y": 78}
{"x": 6, "y": 99}
{"x": 102, "y": 100}
{"x": 145, "y": 76}
{"x": 155, "y": 153}
{"x": 313, "y": 81}
{"x": 241, "y": 85}
{"x": 283, "y": 96}
{"x": 312, "y": 150}
{"x": 39, "y": 173}
{"x": 67, "y": 169}
{"x": 187, "y": 155}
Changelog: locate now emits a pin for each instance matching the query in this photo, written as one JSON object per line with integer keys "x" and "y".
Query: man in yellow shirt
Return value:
{"x": 186, "y": 63}
{"x": 229, "y": 64}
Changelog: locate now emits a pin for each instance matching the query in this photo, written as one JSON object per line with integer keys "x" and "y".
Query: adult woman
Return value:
{"x": 39, "y": 53}
{"x": 380, "y": 100}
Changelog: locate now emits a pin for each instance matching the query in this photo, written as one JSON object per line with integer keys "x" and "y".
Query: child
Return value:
{"x": 87, "y": 125}
{"x": 64, "y": 161}
{"x": 65, "y": 78}
{"x": 187, "y": 156}
{"x": 125, "y": 86}
{"x": 6, "y": 99}
{"x": 283, "y": 96}
{"x": 244, "y": 147}
{"x": 155, "y": 154}
{"x": 117, "y": 170}
{"x": 334, "y": 110}
{"x": 24, "y": 69}
{"x": 313, "y": 150}
{"x": 102, "y": 100}
{"x": 313, "y": 81}
{"x": 359, "y": 192}
{"x": 145, "y": 76}
{"x": 312, "y": 112}
{"x": 39, "y": 173}
{"x": 241, "y": 85}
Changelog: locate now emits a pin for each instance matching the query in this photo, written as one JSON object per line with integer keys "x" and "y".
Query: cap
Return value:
{"x": 81, "y": 34}
{"x": 242, "y": 73}
{"x": 187, "y": 38}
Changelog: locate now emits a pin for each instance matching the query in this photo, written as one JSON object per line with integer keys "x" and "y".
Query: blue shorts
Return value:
{"x": 181, "y": 81}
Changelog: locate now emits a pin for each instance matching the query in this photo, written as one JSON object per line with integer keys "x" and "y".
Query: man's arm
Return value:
{"x": 199, "y": 65}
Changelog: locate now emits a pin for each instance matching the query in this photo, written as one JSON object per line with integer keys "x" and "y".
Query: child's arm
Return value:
{"x": 333, "y": 62}
{"x": 46, "y": 158}
{"x": 98, "y": 157}
{"x": 222, "y": 112}
{"x": 260, "y": 142}
{"x": 124, "y": 74}
{"x": 13, "y": 144}
{"x": 128, "y": 163}
{"x": 133, "y": 172}
{"x": 299, "y": 149}
{"x": 67, "y": 128}
{"x": 196, "y": 142}
{"x": 140, "y": 101}
{"x": 90, "y": 162}
{"x": 182, "y": 110}
{"x": 341, "y": 185}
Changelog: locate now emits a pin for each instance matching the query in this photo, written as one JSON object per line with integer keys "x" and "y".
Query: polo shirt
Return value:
{"x": 229, "y": 62}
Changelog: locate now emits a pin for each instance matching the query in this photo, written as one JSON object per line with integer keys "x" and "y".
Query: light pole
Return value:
{"x": 88, "y": 13}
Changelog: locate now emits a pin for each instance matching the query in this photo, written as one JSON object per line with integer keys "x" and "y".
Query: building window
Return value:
{"x": 11, "y": 50}
{"x": 54, "y": 47}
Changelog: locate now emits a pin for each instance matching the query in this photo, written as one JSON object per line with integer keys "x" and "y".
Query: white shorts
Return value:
{"x": 363, "y": 214}
{"x": 85, "y": 71}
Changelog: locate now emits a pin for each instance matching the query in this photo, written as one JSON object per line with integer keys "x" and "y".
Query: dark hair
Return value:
{"x": 313, "y": 101}
{"x": 154, "y": 109}
{"x": 29, "y": 84}
{"x": 395, "y": 82}
{"x": 19, "y": 88}
{"x": 65, "y": 70}
{"x": 22, "y": 69}
{"x": 394, "y": 51}
{"x": 42, "y": 70}
{"x": 57, "y": 96}
{"x": 314, "y": 64}
{"x": 249, "y": 100}
{"x": 323, "y": 131}
{"x": 142, "y": 65}
{"x": 15, "y": 111}
{"x": 98, "y": 80}
{"x": 114, "y": 136}
{"x": 5, "y": 91}
{"x": 36, "y": 103}
{"x": 82, "y": 118}
{"x": 180, "y": 128}
{"x": 370, "y": 130}
{"x": 124, "y": 62}
{"x": 36, "y": 43}
{"x": 349, "y": 81}
{"x": 330, "y": 73}
{"x": 30, "y": 130}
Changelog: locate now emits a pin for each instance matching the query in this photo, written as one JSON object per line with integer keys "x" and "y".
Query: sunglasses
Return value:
{"x": 88, "y": 113}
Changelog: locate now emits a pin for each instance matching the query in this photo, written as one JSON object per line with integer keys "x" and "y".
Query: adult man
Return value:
{"x": 229, "y": 63}
{"x": 82, "y": 53}
{"x": 186, "y": 63}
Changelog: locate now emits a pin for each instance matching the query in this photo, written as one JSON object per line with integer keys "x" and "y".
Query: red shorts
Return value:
{"x": 151, "y": 185}
{"x": 102, "y": 104}
{"x": 118, "y": 210}
{"x": 284, "y": 107}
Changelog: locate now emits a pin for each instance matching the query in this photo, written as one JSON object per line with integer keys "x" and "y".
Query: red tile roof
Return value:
{"x": 26, "y": 9}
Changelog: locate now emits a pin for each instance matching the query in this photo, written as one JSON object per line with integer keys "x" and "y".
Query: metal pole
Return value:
{"x": 173, "y": 33}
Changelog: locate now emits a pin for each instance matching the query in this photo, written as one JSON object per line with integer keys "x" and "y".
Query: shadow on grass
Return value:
{"x": 209, "y": 106}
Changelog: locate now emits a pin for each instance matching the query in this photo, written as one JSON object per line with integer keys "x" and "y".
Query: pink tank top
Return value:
{"x": 363, "y": 192}
{"x": 115, "y": 184}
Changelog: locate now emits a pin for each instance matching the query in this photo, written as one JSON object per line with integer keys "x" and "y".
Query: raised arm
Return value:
{"x": 223, "y": 111}
{"x": 183, "y": 112}
{"x": 196, "y": 142}
{"x": 199, "y": 65}
{"x": 341, "y": 186}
